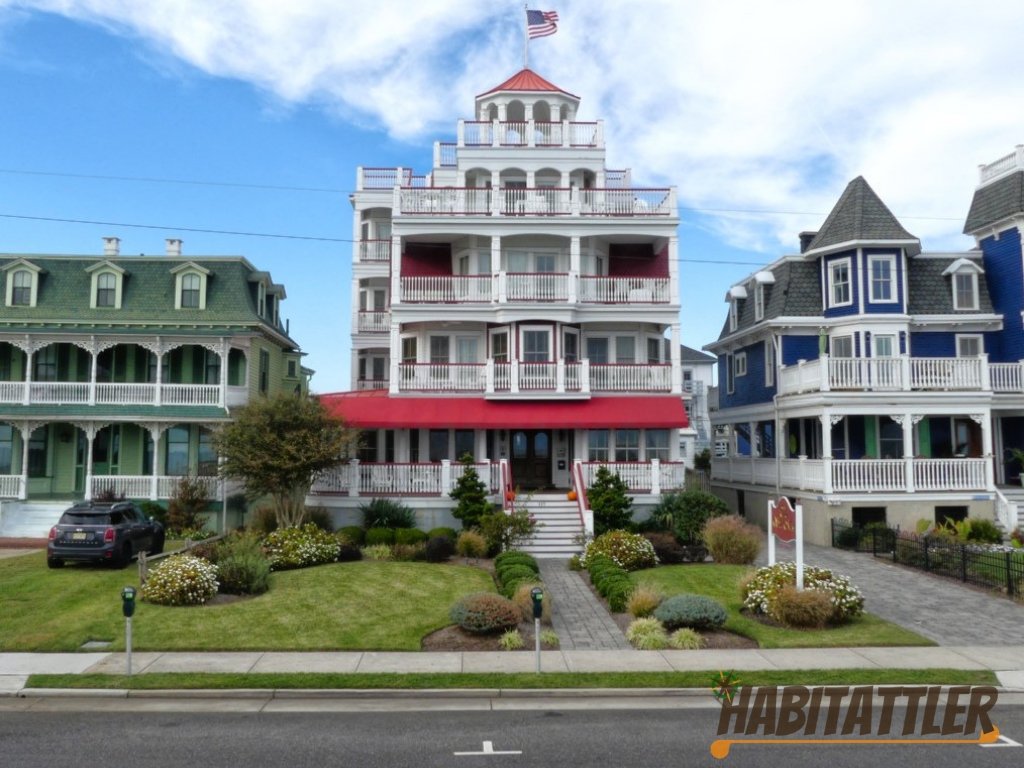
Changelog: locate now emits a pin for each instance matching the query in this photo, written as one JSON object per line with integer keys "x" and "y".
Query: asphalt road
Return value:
{"x": 553, "y": 737}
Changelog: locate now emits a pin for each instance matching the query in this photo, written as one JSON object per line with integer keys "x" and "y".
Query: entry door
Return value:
{"x": 531, "y": 458}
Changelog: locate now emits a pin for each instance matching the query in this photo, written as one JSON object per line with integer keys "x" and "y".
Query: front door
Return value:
{"x": 531, "y": 458}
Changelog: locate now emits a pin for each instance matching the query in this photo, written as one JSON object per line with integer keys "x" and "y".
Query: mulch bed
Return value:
{"x": 454, "y": 638}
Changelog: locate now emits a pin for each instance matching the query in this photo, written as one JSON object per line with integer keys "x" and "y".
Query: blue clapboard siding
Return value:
{"x": 797, "y": 348}
{"x": 749, "y": 389}
{"x": 1002, "y": 259}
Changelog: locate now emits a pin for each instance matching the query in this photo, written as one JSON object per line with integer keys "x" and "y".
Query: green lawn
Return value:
{"x": 722, "y": 582}
{"x": 342, "y": 606}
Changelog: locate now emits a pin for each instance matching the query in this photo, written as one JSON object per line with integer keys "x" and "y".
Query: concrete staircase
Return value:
{"x": 30, "y": 519}
{"x": 560, "y": 526}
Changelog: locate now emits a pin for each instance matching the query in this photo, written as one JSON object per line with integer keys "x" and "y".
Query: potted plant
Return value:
{"x": 1018, "y": 456}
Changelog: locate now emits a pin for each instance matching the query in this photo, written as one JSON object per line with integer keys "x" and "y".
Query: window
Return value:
{"x": 464, "y": 443}
{"x": 177, "y": 451}
{"x": 969, "y": 345}
{"x": 261, "y": 299}
{"x": 439, "y": 349}
{"x": 656, "y": 444}
{"x": 769, "y": 363}
{"x": 190, "y": 291}
{"x": 842, "y": 346}
{"x": 536, "y": 346}
{"x": 625, "y": 349}
{"x": 890, "y": 439}
{"x": 571, "y": 346}
{"x": 653, "y": 351}
{"x": 597, "y": 351}
{"x": 965, "y": 290}
{"x": 409, "y": 349}
{"x": 190, "y": 286}
{"x": 414, "y": 446}
{"x": 291, "y": 369}
{"x": 6, "y": 448}
{"x": 730, "y": 375}
{"x": 37, "y": 452}
{"x": 264, "y": 371}
{"x": 499, "y": 347}
{"x": 597, "y": 444}
{"x": 740, "y": 361}
{"x": 759, "y": 301}
{"x": 627, "y": 445}
{"x": 438, "y": 439}
{"x": 106, "y": 289}
{"x": 207, "y": 455}
{"x": 466, "y": 349}
{"x": 839, "y": 283}
{"x": 367, "y": 446}
{"x": 21, "y": 294}
{"x": 236, "y": 368}
{"x": 884, "y": 345}
{"x": 882, "y": 270}
{"x": 733, "y": 314}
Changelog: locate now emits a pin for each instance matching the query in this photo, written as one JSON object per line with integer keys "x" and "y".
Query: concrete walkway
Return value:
{"x": 943, "y": 610}
{"x": 578, "y": 616}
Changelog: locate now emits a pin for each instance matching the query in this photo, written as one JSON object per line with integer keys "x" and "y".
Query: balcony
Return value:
{"x": 536, "y": 201}
{"x": 894, "y": 374}
{"x": 518, "y": 377}
{"x": 364, "y": 385}
{"x": 86, "y": 393}
{"x": 375, "y": 251}
{"x": 523, "y": 287}
{"x": 857, "y": 475}
{"x": 529, "y": 133}
{"x": 373, "y": 322}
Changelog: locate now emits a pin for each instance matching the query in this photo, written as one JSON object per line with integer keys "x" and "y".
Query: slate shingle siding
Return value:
{"x": 996, "y": 201}
{"x": 931, "y": 292}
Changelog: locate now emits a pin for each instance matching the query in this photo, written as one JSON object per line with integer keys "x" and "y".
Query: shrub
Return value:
{"x": 685, "y": 640}
{"x": 181, "y": 580}
{"x": 407, "y": 553}
{"x": 617, "y": 592}
{"x": 549, "y": 638}
{"x": 575, "y": 564}
{"x": 848, "y": 538}
{"x": 263, "y": 520}
{"x": 348, "y": 553}
{"x": 761, "y": 589}
{"x": 666, "y": 548}
{"x": 187, "y": 504}
{"x": 732, "y": 540}
{"x": 1017, "y": 537}
{"x": 471, "y": 544}
{"x": 410, "y": 536}
{"x": 299, "y": 547}
{"x": 485, "y": 613}
{"x": 470, "y": 494}
{"x": 242, "y": 568}
{"x": 514, "y": 571}
{"x": 610, "y": 502}
{"x": 439, "y": 549}
{"x": 984, "y": 531}
{"x": 154, "y": 510}
{"x": 353, "y": 534}
{"x": 514, "y": 556}
{"x": 376, "y": 552}
{"x": 511, "y": 640}
{"x": 507, "y": 531}
{"x": 807, "y": 609}
{"x": 387, "y": 513}
{"x": 450, "y": 533}
{"x": 628, "y": 550}
{"x": 693, "y": 611}
{"x": 647, "y": 635}
{"x": 643, "y": 601}
{"x": 687, "y": 512}
{"x": 379, "y": 536}
{"x": 319, "y": 517}
{"x": 523, "y": 598}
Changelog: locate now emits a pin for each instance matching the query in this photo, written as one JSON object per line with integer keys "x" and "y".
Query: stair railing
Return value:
{"x": 580, "y": 486}
{"x": 507, "y": 492}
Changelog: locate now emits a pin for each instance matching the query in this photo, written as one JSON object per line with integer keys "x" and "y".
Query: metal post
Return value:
{"x": 128, "y": 642}
{"x": 536, "y": 641}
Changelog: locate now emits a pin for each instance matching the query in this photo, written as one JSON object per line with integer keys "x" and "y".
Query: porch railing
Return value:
{"x": 630, "y": 377}
{"x": 534, "y": 201}
{"x": 374, "y": 322}
{"x": 109, "y": 393}
{"x": 538, "y": 286}
{"x": 445, "y": 289}
{"x": 899, "y": 373}
{"x": 534, "y": 287}
{"x": 401, "y": 479}
{"x": 375, "y": 250}
{"x": 441, "y": 377}
{"x": 640, "y": 476}
{"x": 10, "y": 486}
{"x": 149, "y": 486}
{"x": 624, "y": 290}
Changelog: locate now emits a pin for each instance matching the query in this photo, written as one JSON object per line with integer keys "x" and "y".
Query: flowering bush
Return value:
{"x": 628, "y": 550}
{"x": 181, "y": 580}
{"x": 484, "y": 613}
{"x": 761, "y": 591}
{"x": 300, "y": 547}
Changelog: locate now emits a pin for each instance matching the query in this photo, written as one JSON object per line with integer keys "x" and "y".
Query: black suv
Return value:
{"x": 103, "y": 532}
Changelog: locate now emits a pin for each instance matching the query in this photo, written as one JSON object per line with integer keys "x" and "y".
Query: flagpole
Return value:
{"x": 526, "y": 36}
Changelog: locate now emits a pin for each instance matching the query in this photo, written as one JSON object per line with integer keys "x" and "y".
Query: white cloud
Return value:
{"x": 743, "y": 105}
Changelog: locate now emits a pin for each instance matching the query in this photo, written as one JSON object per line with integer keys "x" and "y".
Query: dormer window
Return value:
{"x": 733, "y": 314}
{"x": 733, "y": 296}
{"x": 21, "y": 292}
{"x": 190, "y": 286}
{"x": 261, "y": 300}
{"x": 106, "y": 289}
{"x": 106, "y": 285}
{"x": 964, "y": 274}
{"x": 22, "y": 289}
{"x": 758, "y": 302}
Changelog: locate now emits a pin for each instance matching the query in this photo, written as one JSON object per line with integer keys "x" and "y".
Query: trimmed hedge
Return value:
{"x": 379, "y": 536}
{"x": 354, "y": 534}
{"x": 692, "y": 611}
{"x": 514, "y": 556}
{"x": 409, "y": 536}
{"x": 611, "y": 581}
{"x": 449, "y": 533}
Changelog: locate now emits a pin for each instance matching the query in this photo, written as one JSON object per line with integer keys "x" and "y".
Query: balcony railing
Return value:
{"x": 535, "y": 201}
{"x": 368, "y": 384}
{"x": 534, "y": 287}
{"x": 375, "y": 250}
{"x": 1011, "y": 162}
{"x": 374, "y": 322}
{"x": 908, "y": 475}
{"x": 903, "y": 373}
{"x": 149, "y": 486}
{"x": 529, "y": 133}
{"x": 104, "y": 393}
{"x": 517, "y": 376}
{"x": 641, "y": 476}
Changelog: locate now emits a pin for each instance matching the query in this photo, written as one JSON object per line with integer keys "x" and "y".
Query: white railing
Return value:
{"x": 535, "y": 200}
{"x": 334, "y": 480}
{"x": 447, "y": 154}
{"x": 190, "y": 394}
{"x": 441, "y": 377}
{"x": 880, "y": 373}
{"x": 166, "y": 485}
{"x": 637, "y": 475}
{"x": 512, "y": 133}
{"x": 446, "y": 289}
{"x": 946, "y": 474}
{"x": 627, "y": 202}
{"x": 584, "y": 134}
{"x": 630, "y": 377}
{"x": 575, "y": 379}
{"x": 538, "y": 376}
{"x": 624, "y": 290}
{"x": 869, "y": 475}
{"x": 445, "y": 200}
{"x": 946, "y": 372}
{"x": 383, "y": 178}
{"x": 236, "y": 395}
{"x": 805, "y": 376}
{"x": 510, "y": 201}
{"x": 478, "y": 133}
{"x": 1011, "y": 162}
{"x": 12, "y": 391}
{"x": 126, "y": 394}
{"x": 374, "y": 322}
{"x": 537, "y": 286}
{"x": 59, "y": 392}
{"x": 375, "y": 250}
{"x": 149, "y": 486}
{"x": 398, "y": 479}
{"x": 548, "y": 134}
{"x": 900, "y": 373}
{"x": 489, "y": 473}
{"x": 371, "y": 384}
{"x": 1007, "y": 512}
{"x": 1006, "y": 377}
{"x": 502, "y": 377}
{"x": 673, "y": 475}
{"x": 10, "y": 486}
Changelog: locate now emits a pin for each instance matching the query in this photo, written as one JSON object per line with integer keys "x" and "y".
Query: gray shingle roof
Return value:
{"x": 860, "y": 215}
{"x": 691, "y": 355}
{"x": 1003, "y": 197}
{"x": 795, "y": 293}
{"x": 931, "y": 293}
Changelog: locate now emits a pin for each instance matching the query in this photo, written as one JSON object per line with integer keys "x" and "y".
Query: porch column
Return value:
{"x": 27, "y": 394}
{"x": 90, "y": 431}
{"x": 673, "y": 269}
{"x": 907, "y": 422}
{"x": 574, "y": 269}
{"x": 396, "y": 271}
{"x": 26, "y": 429}
{"x": 158, "y": 350}
{"x": 655, "y": 476}
{"x": 495, "y": 262}
{"x": 826, "y": 421}
{"x": 395, "y": 344}
{"x": 155, "y": 432}
{"x": 94, "y": 357}
{"x": 446, "y": 476}
{"x": 353, "y": 477}
{"x": 984, "y": 421}
{"x": 676, "y": 357}
{"x": 224, "y": 351}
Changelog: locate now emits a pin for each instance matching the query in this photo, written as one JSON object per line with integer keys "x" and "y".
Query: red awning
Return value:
{"x": 375, "y": 409}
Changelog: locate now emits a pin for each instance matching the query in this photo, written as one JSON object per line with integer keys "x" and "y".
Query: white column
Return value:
{"x": 224, "y": 353}
{"x": 159, "y": 352}
{"x": 155, "y": 432}
{"x": 673, "y": 270}
{"x": 575, "y": 268}
{"x": 495, "y": 127}
{"x": 94, "y": 355}
{"x": 396, "y": 270}
{"x": 395, "y": 344}
{"x": 90, "y": 435}
{"x": 26, "y": 435}
{"x": 446, "y": 476}
{"x": 495, "y": 261}
{"x": 353, "y": 477}
{"x": 826, "y": 447}
{"x": 677, "y": 362}
{"x": 655, "y": 476}
{"x": 357, "y": 229}
{"x": 460, "y": 135}
{"x": 984, "y": 420}
{"x": 27, "y": 395}
{"x": 907, "y": 422}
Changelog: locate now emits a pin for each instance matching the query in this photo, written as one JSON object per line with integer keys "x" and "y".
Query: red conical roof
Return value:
{"x": 527, "y": 80}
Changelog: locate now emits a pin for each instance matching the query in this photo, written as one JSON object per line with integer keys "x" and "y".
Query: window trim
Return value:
{"x": 548, "y": 329}
{"x": 740, "y": 361}
{"x": 733, "y": 314}
{"x": 973, "y": 277}
{"x": 892, "y": 282}
{"x": 846, "y": 262}
{"x": 834, "y": 339}
{"x": 759, "y": 302}
{"x": 979, "y": 337}
{"x": 769, "y": 363}
{"x": 190, "y": 268}
{"x": 99, "y": 270}
{"x": 22, "y": 265}
{"x": 730, "y": 374}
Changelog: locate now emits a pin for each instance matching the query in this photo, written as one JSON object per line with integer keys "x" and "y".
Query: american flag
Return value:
{"x": 541, "y": 23}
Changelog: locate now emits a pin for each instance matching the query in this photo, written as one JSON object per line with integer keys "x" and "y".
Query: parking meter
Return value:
{"x": 538, "y": 601}
{"x": 128, "y": 601}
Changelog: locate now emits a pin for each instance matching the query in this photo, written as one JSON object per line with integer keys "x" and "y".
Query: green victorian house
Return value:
{"x": 114, "y": 370}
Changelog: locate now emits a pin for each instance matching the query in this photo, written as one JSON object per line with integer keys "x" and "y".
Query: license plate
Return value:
{"x": 79, "y": 536}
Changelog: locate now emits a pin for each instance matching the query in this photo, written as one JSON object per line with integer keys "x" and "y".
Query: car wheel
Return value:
{"x": 158, "y": 545}
{"x": 54, "y": 562}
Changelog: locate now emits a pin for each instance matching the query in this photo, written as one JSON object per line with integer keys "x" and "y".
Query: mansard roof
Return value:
{"x": 861, "y": 216}
{"x": 930, "y": 290}
{"x": 996, "y": 201}
{"x": 527, "y": 80}
{"x": 796, "y": 292}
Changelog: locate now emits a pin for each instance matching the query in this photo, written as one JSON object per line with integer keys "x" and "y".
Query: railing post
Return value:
{"x": 446, "y": 477}
{"x": 826, "y": 462}
{"x": 513, "y": 376}
{"x": 574, "y": 201}
{"x": 494, "y": 133}
{"x": 503, "y": 287}
{"x": 656, "y": 476}
{"x": 353, "y": 477}
{"x": 560, "y": 375}
{"x": 573, "y": 288}
{"x": 986, "y": 374}
{"x": 460, "y": 133}
{"x": 489, "y": 376}
{"x": 825, "y": 373}
{"x": 905, "y": 384}
{"x": 585, "y": 375}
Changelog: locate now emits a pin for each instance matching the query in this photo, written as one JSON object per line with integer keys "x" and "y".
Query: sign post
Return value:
{"x": 788, "y": 524}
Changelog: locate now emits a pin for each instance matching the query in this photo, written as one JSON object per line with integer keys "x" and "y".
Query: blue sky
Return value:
{"x": 266, "y": 109}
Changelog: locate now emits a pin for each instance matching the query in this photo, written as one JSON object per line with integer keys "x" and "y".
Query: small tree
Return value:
{"x": 186, "y": 505}
{"x": 609, "y": 500}
{"x": 277, "y": 446}
{"x": 470, "y": 494}
{"x": 702, "y": 461}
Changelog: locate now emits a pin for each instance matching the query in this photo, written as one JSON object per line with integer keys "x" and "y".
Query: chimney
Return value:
{"x": 805, "y": 240}
{"x": 111, "y": 246}
{"x": 173, "y": 246}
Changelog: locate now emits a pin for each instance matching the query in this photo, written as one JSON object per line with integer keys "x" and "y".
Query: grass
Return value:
{"x": 193, "y": 681}
{"x": 342, "y": 606}
{"x": 722, "y": 582}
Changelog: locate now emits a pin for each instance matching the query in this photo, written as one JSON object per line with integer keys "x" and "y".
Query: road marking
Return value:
{"x": 1003, "y": 741}
{"x": 489, "y": 750}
